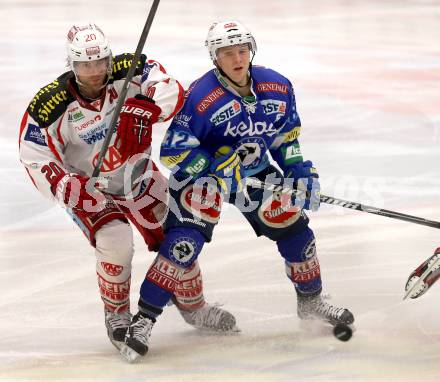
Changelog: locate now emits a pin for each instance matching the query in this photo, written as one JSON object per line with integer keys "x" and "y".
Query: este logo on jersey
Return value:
{"x": 273, "y": 106}
{"x": 226, "y": 112}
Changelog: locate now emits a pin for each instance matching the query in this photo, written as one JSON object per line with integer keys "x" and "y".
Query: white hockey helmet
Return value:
{"x": 228, "y": 33}
{"x": 86, "y": 43}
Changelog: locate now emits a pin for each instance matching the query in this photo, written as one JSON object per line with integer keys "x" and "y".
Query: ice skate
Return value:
{"x": 136, "y": 338}
{"x": 117, "y": 325}
{"x": 426, "y": 274}
{"x": 210, "y": 317}
{"x": 316, "y": 308}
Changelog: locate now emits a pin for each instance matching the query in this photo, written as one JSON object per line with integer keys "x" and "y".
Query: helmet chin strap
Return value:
{"x": 231, "y": 80}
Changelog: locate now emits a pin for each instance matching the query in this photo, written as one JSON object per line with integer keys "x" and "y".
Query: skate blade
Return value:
{"x": 129, "y": 355}
{"x": 432, "y": 268}
{"x": 419, "y": 285}
{"x": 229, "y": 332}
{"x": 234, "y": 330}
{"x": 117, "y": 344}
{"x": 218, "y": 332}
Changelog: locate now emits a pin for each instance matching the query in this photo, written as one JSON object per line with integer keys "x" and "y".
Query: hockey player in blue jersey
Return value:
{"x": 234, "y": 117}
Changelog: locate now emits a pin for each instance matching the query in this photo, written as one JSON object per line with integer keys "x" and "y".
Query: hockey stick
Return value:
{"x": 124, "y": 89}
{"x": 255, "y": 183}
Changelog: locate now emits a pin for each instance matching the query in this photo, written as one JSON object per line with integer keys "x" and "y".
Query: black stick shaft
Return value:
{"x": 252, "y": 182}
{"x": 379, "y": 211}
{"x": 124, "y": 89}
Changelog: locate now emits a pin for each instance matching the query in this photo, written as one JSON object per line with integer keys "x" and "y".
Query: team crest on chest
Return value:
{"x": 251, "y": 151}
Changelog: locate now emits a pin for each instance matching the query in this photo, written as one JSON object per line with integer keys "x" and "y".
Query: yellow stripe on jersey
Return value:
{"x": 229, "y": 162}
{"x": 292, "y": 134}
{"x": 174, "y": 160}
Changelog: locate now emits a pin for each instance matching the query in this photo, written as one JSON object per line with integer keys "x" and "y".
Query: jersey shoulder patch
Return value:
{"x": 205, "y": 92}
{"x": 122, "y": 63}
{"x": 51, "y": 101}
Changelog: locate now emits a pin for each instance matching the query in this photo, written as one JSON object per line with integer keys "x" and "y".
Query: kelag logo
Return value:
{"x": 253, "y": 129}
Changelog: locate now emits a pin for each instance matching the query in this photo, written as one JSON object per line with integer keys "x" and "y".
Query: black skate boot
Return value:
{"x": 210, "y": 317}
{"x": 136, "y": 338}
{"x": 117, "y": 325}
{"x": 314, "y": 307}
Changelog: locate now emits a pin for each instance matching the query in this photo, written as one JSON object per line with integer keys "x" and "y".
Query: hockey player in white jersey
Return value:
{"x": 61, "y": 135}
{"x": 234, "y": 117}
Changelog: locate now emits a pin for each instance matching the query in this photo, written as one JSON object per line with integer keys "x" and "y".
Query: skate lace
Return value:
{"x": 328, "y": 310}
{"x": 208, "y": 316}
{"x": 141, "y": 329}
{"x": 118, "y": 320}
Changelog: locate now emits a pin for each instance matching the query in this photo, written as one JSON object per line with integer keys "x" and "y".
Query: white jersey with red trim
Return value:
{"x": 62, "y": 129}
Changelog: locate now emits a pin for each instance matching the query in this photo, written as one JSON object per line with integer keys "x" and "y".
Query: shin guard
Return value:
{"x": 188, "y": 294}
{"x": 302, "y": 265}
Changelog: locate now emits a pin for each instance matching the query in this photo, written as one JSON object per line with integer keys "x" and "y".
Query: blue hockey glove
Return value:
{"x": 305, "y": 179}
{"x": 227, "y": 169}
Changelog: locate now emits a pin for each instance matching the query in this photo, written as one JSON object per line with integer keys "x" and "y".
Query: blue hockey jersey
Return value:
{"x": 214, "y": 115}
